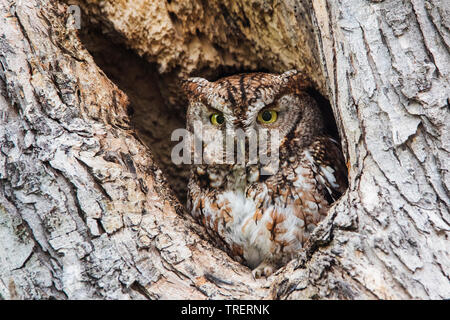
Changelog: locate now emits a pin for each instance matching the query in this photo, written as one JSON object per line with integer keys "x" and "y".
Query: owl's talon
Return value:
{"x": 268, "y": 270}
{"x": 263, "y": 270}
{"x": 256, "y": 273}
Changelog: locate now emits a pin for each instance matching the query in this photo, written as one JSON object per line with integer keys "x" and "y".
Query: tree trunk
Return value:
{"x": 86, "y": 211}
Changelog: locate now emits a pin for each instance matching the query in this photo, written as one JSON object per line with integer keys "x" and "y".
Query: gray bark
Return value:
{"x": 387, "y": 65}
{"x": 85, "y": 211}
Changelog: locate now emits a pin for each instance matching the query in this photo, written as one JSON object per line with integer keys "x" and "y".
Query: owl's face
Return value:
{"x": 251, "y": 104}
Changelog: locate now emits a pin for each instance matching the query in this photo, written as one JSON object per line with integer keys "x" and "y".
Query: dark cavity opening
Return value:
{"x": 153, "y": 119}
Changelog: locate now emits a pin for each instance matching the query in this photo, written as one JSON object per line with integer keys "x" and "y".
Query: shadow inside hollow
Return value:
{"x": 153, "y": 118}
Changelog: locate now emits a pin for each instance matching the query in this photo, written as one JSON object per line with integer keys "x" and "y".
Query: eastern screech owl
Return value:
{"x": 262, "y": 220}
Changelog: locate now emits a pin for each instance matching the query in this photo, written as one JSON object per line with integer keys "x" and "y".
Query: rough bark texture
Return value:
{"x": 85, "y": 211}
{"x": 387, "y": 66}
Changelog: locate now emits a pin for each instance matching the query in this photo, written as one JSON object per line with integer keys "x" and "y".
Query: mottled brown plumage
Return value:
{"x": 262, "y": 220}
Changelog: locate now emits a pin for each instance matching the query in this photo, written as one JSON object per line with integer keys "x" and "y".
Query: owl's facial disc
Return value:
{"x": 248, "y": 103}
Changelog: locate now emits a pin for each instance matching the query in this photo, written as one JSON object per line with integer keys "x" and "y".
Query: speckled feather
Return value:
{"x": 264, "y": 221}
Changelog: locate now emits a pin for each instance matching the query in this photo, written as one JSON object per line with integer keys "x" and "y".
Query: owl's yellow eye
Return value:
{"x": 267, "y": 116}
{"x": 217, "y": 119}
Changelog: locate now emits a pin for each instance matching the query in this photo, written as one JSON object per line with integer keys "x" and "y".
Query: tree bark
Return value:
{"x": 85, "y": 209}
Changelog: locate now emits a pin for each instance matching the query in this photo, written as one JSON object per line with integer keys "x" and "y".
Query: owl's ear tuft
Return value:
{"x": 194, "y": 87}
{"x": 296, "y": 80}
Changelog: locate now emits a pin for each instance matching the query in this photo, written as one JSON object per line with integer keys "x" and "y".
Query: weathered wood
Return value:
{"x": 387, "y": 66}
{"x": 86, "y": 213}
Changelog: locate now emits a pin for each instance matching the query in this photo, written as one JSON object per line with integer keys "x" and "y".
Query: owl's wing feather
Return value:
{"x": 331, "y": 171}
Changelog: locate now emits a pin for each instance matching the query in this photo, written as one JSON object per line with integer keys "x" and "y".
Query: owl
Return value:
{"x": 261, "y": 212}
